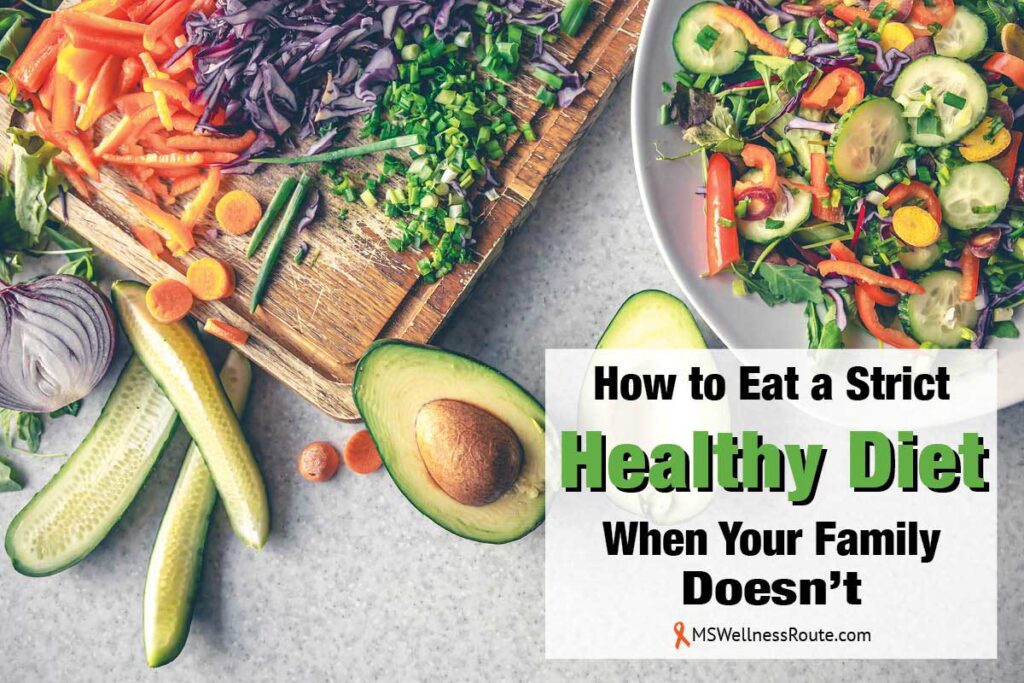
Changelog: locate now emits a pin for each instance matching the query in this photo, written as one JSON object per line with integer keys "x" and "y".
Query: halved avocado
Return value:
{"x": 652, "y": 319}
{"x": 393, "y": 383}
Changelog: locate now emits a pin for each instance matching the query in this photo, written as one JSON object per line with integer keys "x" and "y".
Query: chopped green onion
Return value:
{"x": 928, "y": 124}
{"x": 707, "y": 37}
{"x": 346, "y": 152}
{"x": 545, "y": 97}
{"x": 572, "y": 16}
{"x": 953, "y": 100}
{"x": 773, "y": 224}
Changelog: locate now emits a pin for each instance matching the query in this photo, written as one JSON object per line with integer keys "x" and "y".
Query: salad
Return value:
{"x": 862, "y": 160}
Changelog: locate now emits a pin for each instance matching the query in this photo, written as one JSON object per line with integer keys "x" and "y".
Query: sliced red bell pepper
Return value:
{"x": 899, "y": 193}
{"x": 843, "y": 253}
{"x": 1005, "y": 64}
{"x": 723, "y": 245}
{"x": 750, "y": 29}
{"x": 1007, "y": 161}
{"x": 760, "y": 157}
{"x": 863, "y": 274}
{"x": 819, "y": 175}
{"x": 927, "y": 12}
{"x": 839, "y": 89}
{"x": 970, "y": 274}
{"x": 869, "y": 316}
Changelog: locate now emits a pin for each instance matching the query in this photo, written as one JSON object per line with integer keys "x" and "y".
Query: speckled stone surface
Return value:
{"x": 354, "y": 584}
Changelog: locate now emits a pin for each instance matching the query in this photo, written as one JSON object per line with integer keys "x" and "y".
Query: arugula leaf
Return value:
{"x": 791, "y": 283}
{"x": 824, "y": 332}
{"x": 25, "y": 427}
{"x": 719, "y": 133}
{"x": 1005, "y": 329}
{"x": 70, "y": 409}
{"x": 9, "y": 480}
{"x": 813, "y": 325}
{"x": 35, "y": 179}
{"x": 741, "y": 269}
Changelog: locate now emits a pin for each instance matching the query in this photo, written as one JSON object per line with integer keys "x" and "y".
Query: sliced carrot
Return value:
{"x": 74, "y": 178}
{"x": 970, "y": 269}
{"x": 36, "y": 61}
{"x": 186, "y": 184}
{"x": 82, "y": 155}
{"x": 46, "y": 92}
{"x": 157, "y": 10}
{"x": 168, "y": 300}
{"x": 101, "y": 96}
{"x": 131, "y": 74}
{"x": 133, "y": 102}
{"x": 212, "y": 158}
{"x": 210, "y": 279}
{"x": 209, "y": 143}
{"x": 869, "y": 316}
{"x": 157, "y": 143}
{"x": 882, "y": 298}
{"x": 862, "y": 273}
{"x": 168, "y": 23}
{"x": 103, "y": 8}
{"x": 226, "y": 332}
{"x": 63, "y": 104}
{"x": 184, "y": 122}
{"x": 154, "y": 160}
{"x": 197, "y": 207}
{"x": 43, "y": 125}
{"x": 123, "y": 47}
{"x": 238, "y": 212}
{"x": 99, "y": 25}
{"x": 140, "y": 11}
{"x": 183, "y": 65}
{"x": 150, "y": 239}
{"x": 174, "y": 173}
{"x": 160, "y": 190}
{"x": 361, "y": 454}
{"x": 159, "y": 96}
{"x": 170, "y": 227}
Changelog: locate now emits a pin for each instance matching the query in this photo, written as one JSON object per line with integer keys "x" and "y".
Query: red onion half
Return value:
{"x": 761, "y": 201}
{"x": 56, "y": 342}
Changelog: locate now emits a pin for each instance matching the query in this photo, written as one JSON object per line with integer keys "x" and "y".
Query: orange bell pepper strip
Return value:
{"x": 1005, "y": 64}
{"x": 970, "y": 274}
{"x": 168, "y": 23}
{"x": 127, "y": 130}
{"x": 927, "y": 12}
{"x": 865, "y": 275}
{"x": 39, "y": 57}
{"x": 209, "y": 143}
{"x": 100, "y": 26}
{"x": 44, "y": 126}
{"x": 134, "y": 102}
{"x": 150, "y": 239}
{"x": 195, "y": 209}
{"x": 80, "y": 67}
{"x": 899, "y": 194}
{"x": 869, "y": 316}
{"x": 184, "y": 122}
{"x": 843, "y": 253}
{"x": 839, "y": 89}
{"x": 723, "y": 246}
{"x": 101, "y": 96}
{"x": 754, "y": 156}
{"x": 73, "y": 177}
{"x": 131, "y": 74}
{"x": 182, "y": 66}
{"x": 174, "y": 90}
{"x": 170, "y": 227}
{"x": 159, "y": 95}
{"x": 63, "y": 104}
{"x": 81, "y": 153}
{"x": 750, "y": 29}
{"x": 154, "y": 160}
{"x": 1007, "y": 161}
{"x": 46, "y": 92}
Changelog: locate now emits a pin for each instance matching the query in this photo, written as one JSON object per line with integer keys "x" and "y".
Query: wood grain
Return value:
{"x": 317, "y": 321}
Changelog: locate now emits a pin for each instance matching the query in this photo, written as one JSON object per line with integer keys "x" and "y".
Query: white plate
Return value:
{"x": 676, "y": 216}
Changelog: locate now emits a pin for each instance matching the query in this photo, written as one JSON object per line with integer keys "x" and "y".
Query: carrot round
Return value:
{"x": 318, "y": 461}
{"x": 238, "y": 212}
{"x": 866, "y": 275}
{"x": 361, "y": 454}
{"x": 224, "y": 331}
{"x": 210, "y": 279}
{"x": 168, "y": 300}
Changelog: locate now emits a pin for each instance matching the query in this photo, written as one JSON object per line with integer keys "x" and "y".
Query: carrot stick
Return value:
{"x": 140, "y": 11}
{"x": 159, "y": 96}
{"x": 184, "y": 122}
{"x": 157, "y": 10}
{"x": 36, "y": 61}
{"x": 186, "y": 184}
{"x": 168, "y": 300}
{"x": 80, "y": 153}
{"x": 882, "y": 298}
{"x": 160, "y": 190}
{"x": 183, "y": 65}
{"x": 46, "y": 92}
{"x": 63, "y": 104}
{"x": 210, "y": 279}
{"x": 150, "y": 239}
{"x": 210, "y": 158}
{"x": 866, "y": 275}
{"x": 197, "y": 207}
{"x": 209, "y": 143}
{"x": 100, "y": 26}
{"x": 157, "y": 143}
{"x": 73, "y": 177}
{"x": 238, "y": 212}
{"x": 226, "y": 332}
{"x": 131, "y": 74}
{"x": 361, "y": 454}
{"x": 154, "y": 160}
{"x": 170, "y": 227}
{"x": 168, "y": 23}
{"x": 970, "y": 269}
{"x": 123, "y": 47}
{"x": 101, "y": 96}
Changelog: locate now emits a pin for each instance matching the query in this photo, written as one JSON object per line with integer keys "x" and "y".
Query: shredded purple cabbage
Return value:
{"x": 799, "y": 122}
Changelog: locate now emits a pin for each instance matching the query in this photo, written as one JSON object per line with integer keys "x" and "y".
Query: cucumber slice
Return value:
{"x": 69, "y": 516}
{"x": 920, "y": 259}
{"x": 177, "y": 560}
{"x": 792, "y": 214}
{"x": 964, "y": 37}
{"x": 938, "y": 315}
{"x": 866, "y": 140}
{"x": 727, "y": 53}
{"x": 174, "y": 356}
{"x": 974, "y": 196}
{"x": 936, "y": 76}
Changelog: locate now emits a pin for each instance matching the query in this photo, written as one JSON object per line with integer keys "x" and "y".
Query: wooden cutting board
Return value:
{"x": 316, "y": 321}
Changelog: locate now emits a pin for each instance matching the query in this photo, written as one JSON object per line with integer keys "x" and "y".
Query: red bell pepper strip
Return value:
{"x": 843, "y": 253}
{"x": 927, "y": 12}
{"x": 859, "y": 226}
{"x": 863, "y": 274}
{"x": 750, "y": 29}
{"x": 1005, "y": 64}
{"x": 839, "y": 90}
{"x": 38, "y": 58}
{"x": 900, "y": 193}
{"x": 723, "y": 243}
{"x": 1007, "y": 161}
{"x": 760, "y": 157}
{"x": 970, "y": 273}
{"x": 869, "y": 316}
{"x": 819, "y": 175}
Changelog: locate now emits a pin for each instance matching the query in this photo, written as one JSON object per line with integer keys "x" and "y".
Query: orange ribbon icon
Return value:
{"x": 680, "y": 629}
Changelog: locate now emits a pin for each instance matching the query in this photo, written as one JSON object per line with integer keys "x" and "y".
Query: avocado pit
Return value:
{"x": 472, "y": 455}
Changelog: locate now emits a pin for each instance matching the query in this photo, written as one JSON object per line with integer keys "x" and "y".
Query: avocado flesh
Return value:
{"x": 395, "y": 379}
{"x": 652, "y": 319}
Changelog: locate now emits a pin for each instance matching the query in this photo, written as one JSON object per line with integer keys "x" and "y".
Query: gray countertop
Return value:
{"x": 354, "y": 583}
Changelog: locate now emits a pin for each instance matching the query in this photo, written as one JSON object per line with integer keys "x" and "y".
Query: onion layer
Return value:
{"x": 761, "y": 201}
{"x": 56, "y": 342}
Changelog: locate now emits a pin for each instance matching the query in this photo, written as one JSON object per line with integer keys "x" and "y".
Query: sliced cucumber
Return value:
{"x": 866, "y": 140}
{"x": 938, "y": 315}
{"x": 924, "y": 84}
{"x": 920, "y": 259}
{"x": 964, "y": 37}
{"x": 177, "y": 559}
{"x": 174, "y": 356}
{"x": 790, "y": 214}
{"x": 974, "y": 196}
{"x": 69, "y": 516}
{"x": 801, "y": 138}
{"x": 727, "y": 53}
